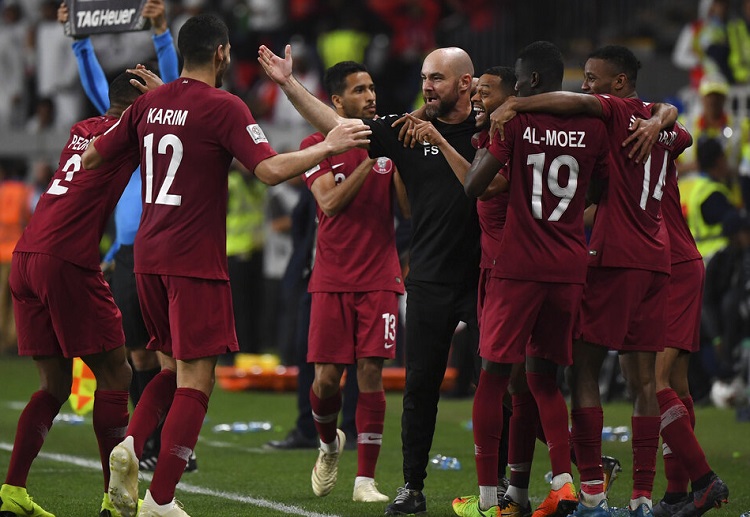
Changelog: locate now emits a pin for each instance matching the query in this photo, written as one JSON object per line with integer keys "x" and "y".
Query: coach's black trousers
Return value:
{"x": 432, "y": 312}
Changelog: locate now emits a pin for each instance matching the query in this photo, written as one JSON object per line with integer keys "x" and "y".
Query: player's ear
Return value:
{"x": 336, "y": 101}
{"x": 534, "y": 82}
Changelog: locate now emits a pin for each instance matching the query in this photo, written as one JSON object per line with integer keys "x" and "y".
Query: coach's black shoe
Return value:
{"x": 294, "y": 440}
{"x": 664, "y": 509}
{"x": 407, "y": 502}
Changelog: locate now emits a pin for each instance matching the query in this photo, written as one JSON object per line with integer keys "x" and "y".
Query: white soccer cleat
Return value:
{"x": 326, "y": 469}
{"x": 366, "y": 491}
{"x": 123, "y": 478}
{"x": 149, "y": 508}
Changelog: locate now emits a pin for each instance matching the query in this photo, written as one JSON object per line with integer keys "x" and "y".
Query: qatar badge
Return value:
{"x": 383, "y": 165}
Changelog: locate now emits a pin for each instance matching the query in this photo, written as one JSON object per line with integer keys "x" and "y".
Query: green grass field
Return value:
{"x": 237, "y": 477}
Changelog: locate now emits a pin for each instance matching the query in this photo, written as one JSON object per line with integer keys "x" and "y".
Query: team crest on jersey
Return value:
{"x": 256, "y": 133}
{"x": 383, "y": 165}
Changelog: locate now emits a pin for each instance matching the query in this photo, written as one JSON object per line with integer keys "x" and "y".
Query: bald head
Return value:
{"x": 446, "y": 84}
{"x": 450, "y": 58}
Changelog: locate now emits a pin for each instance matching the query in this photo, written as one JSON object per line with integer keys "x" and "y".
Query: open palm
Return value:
{"x": 278, "y": 69}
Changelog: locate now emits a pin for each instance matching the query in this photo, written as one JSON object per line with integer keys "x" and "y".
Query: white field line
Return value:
{"x": 185, "y": 487}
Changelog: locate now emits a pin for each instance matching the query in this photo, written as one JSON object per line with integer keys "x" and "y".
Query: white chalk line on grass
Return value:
{"x": 185, "y": 487}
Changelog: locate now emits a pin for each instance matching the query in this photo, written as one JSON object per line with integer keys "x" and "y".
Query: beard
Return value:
{"x": 443, "y": 107}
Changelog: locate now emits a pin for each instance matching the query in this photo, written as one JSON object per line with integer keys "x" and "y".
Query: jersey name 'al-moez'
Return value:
{"x": 168, "y": 117}
{"x": 555, "y": 137}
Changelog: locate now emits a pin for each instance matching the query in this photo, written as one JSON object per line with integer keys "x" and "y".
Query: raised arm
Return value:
{"x": 557, "y": 103}
{"x": 342, "y": 137}
{"x": 320, "y": 116}
{"x": 162, "y": 38}
{"x": 332, "y": 198}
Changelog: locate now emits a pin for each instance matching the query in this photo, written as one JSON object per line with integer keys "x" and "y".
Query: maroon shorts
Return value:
{"x": 623, "y": 309}
{"x": 62, "y": 309}
{"x": 484, "y": 279}
{"x": 528, "y": 318}
{"x": 684, "y": 303}
{"x": 345, "y": 327}
{"x": 187, "y": 318}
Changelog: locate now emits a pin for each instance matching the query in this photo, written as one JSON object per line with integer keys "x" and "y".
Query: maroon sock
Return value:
{"x": 586, "y": 434}
{"x": 33, "y": 425}
{"x": 645, "y": 446}
{"x": 110, "y": 424}
{"x": 553, "y": 415}
{"x": 678, "y": 434}
{"x": 178, "y": 438}
{"x": 487, "y": 416}
{"x": 688, "y": 403}
{"x": 522, "y": 440}
{"x": 369, "y": 417}
{"x": 677, "y": 476}
{"x": 326, "y": 414}
{"x": 152, "y": 408}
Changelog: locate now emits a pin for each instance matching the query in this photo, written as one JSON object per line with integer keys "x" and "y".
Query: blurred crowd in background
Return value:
{"x": 695, "y": 54}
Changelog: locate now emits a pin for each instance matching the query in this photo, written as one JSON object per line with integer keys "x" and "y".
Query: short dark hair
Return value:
{"x": 335, "y": 77}
{"x": 121, "y": 92}
{"x": 506, "y": 74}
{"x": 546, "y": 59}
{"x": 200, "y": 36}
{"x": 622, "y": 58}
{"x": 709, "y": 151}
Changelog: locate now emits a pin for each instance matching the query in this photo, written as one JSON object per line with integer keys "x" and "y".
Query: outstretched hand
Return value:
{"x": 348, "y": 134}
{"x": 62, "y": 13}
{"x": 502, "y": 115}
{"x": 278, "y": 69}
{"x": 423, "y": 131}
{"x": 154, "y": 11}
{"x": 644, "y": 134}
{"x": 153, "y": 81}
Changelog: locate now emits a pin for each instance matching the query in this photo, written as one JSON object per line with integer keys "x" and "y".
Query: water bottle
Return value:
{"x": 256, "y": 427}
{"x": 621, "y": 433}
{"x": 445, "y": 462}
{"x": 69, "y": 418}
{"x": 548, "y": 477}
{"x": 607, "y": 434}
{"x": 243, "y": 427}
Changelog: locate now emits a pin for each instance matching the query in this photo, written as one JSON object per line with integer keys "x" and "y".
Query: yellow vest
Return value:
{"x": 708, "y": 237}
{"x": 244, "y": 215}
{"x": 739, "y": 50}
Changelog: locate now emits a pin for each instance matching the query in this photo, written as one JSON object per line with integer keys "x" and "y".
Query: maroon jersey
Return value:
{"x": 550, "y": 162}
{"x": 187, "y": 133}
{"x": 492, "y": 213}
{"x": 356, "y": 249}
{"x": 71, "y": 215}
{"x": 681, "y": 243}
{"x": 628, "y": 228}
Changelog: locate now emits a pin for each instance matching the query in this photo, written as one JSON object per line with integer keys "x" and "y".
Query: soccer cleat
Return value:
{"x": 600, "y": 510}
{"x": 123, "y": 480}
{"x": 559, "y": 502}
{"x": 469, "y": 507}
{"x": 713, "y": 496}
{"x": 643, "y": 510}
{"x": 366, "y": 491}
{"x": 407, "y": 502}
{"x": 611, "y": 467}
{"x": 663, "y": 509}
{"x": 109, "y": 510}
{"x": 15, "y": 500}
{"x": 192, "y": 463}
{"x": 294, "y": 440}
{"x": 149, "y": 508}
{"x": 502, "y": 487}
{"x": 510, "y": 508}
{"x": 326, "y": 469}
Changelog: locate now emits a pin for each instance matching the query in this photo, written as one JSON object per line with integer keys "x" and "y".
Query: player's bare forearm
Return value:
{"x": 332, "y": 198}
{"x": 665, "y": 113}
{"x": 481, "y": 173}
{"x": 498, "y": 185}
{"x": 91, "y": 159}
{"x": 341, "y": 138}
{"x": 321, "y": 117}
